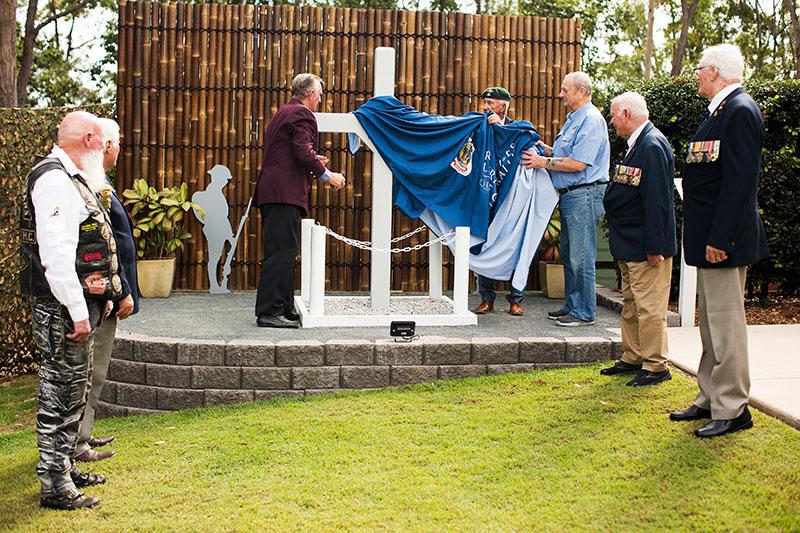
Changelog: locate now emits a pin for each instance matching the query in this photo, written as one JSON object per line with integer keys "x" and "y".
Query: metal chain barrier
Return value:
{"x": 409, "y": 234}
{"x": 446, "y": 239}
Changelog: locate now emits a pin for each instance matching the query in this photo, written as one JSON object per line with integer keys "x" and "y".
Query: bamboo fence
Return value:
{"x": 198, "y": 83}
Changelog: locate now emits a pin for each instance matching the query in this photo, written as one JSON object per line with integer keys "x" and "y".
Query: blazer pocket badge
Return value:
{"x": 702, "y": 152}
{"x": 628, "y": 175}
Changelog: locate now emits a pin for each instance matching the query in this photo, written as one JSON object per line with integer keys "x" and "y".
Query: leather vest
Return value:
{"x": 96, "y": 261}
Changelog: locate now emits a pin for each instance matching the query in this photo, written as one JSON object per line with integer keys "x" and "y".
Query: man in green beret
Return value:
{"x": 495, "y": 102}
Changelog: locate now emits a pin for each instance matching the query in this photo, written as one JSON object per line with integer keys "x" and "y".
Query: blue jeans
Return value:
{"x": 581, "y": 211}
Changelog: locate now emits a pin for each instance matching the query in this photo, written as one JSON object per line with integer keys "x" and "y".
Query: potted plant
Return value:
{"x": 158, "y": 218}
{"x": 551, "y": 270}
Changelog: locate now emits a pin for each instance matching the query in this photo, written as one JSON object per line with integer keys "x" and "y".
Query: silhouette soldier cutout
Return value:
{"x": 217, "y": 227}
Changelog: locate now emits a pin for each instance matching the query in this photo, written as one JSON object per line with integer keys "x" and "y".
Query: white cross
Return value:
{"x": 381, "y": 179}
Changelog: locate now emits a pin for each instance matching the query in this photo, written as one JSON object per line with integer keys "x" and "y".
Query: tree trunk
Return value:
{"x": 687, "y": 12}
{"x": 791, "y": 7}
{"x": 648, "y": 51}
{"x": 26, "y": 64}
{"x": 8, "y": 53}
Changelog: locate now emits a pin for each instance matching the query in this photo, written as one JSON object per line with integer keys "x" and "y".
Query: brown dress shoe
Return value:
{"x": 485, "y": 307}
{"x": 102, "y": 441}
{"x": 515, "y": 309}
{"x": 93, "y": 455}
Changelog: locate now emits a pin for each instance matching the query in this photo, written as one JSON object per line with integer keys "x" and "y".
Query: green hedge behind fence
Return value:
{"x": 24, "y": 133}
{"x": 675, "y": 109}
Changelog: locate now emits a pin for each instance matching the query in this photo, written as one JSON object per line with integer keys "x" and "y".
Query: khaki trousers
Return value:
{"x": 724, "y": 373}
{"x": 101, "y": 357}
{"x": 645, "y": 293}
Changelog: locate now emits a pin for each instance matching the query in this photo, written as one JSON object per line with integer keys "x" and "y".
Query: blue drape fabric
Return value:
{"x": 460, "y": 171}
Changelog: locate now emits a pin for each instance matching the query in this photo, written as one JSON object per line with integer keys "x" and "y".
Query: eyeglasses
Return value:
{"x": 698, "y": 69}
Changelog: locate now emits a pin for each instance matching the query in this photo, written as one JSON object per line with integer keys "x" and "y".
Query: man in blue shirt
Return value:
{"x": 578, "y": 164}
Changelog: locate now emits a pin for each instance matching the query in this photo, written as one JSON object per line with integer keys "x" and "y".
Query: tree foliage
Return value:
{"x": 675, "y": 109}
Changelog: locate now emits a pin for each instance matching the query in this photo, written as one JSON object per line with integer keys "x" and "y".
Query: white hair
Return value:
{"x": 110, "y": 129}
{"x": 304, "y": 83}
{"x": 580, "y": 80}
{"x": 634, "y": 103}
{"x": 728, "y": 60}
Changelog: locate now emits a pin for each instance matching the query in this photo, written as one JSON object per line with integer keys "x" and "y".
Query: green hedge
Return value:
{"x": 24, "y": 133}
{"x": 675, "y": 108}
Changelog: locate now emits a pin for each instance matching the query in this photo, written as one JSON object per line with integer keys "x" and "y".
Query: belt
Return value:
{"x": 579, "y": 186}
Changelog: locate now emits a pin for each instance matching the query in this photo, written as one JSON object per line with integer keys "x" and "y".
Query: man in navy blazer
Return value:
{"x": 129, "y": 303}
{"x": 289, "y": 165}
{"x": 722, "y": 235}
{"x": 641, "y": 221}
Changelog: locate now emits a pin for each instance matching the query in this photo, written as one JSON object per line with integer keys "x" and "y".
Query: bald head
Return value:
{"x": 78, "y": 134}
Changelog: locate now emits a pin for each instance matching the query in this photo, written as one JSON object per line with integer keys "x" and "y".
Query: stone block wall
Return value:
{"x": 150, "y": 375}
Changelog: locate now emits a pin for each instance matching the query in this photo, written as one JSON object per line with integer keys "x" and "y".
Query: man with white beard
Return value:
{"x": 70, "y": 268}
{"x": 123, "y": 308}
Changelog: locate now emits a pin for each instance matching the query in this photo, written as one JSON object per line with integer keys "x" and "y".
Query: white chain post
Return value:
{"x": 305, "y": 257}
{"x": 461, "y": 281}
{"x": 687, "y": 292}
{"x": 317, "y": 286}
{"x": 435, "y": 269}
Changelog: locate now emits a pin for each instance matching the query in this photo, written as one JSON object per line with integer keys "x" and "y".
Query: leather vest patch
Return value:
{"x": 96, "y": 261}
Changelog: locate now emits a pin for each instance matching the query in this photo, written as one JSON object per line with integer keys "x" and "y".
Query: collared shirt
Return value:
{"x": 721, "y": 95}
{"x": 60, "y": 209}
{"x": 635, "y": 134}
{"x": 584, "y": 138}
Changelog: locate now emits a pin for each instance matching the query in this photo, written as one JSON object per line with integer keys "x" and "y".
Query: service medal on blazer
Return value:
{"x": 628, "y": 175}
{"x": 703, "y": 151}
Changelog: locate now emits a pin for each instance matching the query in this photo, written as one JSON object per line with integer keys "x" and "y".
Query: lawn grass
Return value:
{"x": 18, "y": 403}
{"x": 545, "y": 451}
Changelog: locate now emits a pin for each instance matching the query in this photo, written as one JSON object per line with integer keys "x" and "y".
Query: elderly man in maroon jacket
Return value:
{"x": 289, "y": 165}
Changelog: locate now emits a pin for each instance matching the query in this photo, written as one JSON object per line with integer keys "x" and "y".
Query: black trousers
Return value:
{"x": 281, "y": 234}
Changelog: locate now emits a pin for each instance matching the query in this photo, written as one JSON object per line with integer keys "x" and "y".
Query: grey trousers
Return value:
{"x": 101, "y": 357}
{"x": 63, "y": 385}
{"x": 724, "y": 372}
{"x": 486, "y": 289}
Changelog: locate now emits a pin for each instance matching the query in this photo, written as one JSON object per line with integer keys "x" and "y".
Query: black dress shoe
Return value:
{"x": 269, "y": 321}
{"x": 82, "y": 479}
{"x": 291, "y": 315}
{"x": 68, "y": 501}
{"x": 645, "y": 377}
{"x": 620, "y": 367}
{"x": 715, "y": 428}
{"x": 692, "y": 413}
{"x": 102, "y": 441}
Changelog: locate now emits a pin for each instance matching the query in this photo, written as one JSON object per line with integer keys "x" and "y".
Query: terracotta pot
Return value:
{"x": 155, "y": 277}
{"x": 551, "y": 278}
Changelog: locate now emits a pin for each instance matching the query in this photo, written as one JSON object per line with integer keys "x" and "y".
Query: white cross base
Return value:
{"x": 313, "y": 238}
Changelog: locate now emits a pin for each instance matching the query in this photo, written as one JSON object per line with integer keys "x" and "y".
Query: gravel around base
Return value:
{"x": 398, "y": 305}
